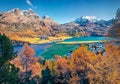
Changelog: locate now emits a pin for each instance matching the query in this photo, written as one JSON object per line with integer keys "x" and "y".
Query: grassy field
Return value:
{"x": 38, "y": 40}
{"x": 58, "y": 49}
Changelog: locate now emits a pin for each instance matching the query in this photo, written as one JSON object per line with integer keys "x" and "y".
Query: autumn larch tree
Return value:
{"x": 27, "y": 57}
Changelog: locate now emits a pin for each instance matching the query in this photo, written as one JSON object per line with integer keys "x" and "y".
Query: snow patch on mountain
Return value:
{"x": 86, "y": 18}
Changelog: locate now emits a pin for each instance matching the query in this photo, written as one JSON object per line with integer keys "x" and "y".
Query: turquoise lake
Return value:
{"x": 75, "y": 39}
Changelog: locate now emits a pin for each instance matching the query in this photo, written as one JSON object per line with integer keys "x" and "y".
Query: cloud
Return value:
{"x": 30, "y": 4}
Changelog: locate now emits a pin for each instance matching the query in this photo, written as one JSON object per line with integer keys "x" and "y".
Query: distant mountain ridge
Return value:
{"x": 27, "y": 23}
{"x": 90, "y": 26}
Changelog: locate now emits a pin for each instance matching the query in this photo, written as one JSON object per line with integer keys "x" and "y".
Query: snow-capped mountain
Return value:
{"x": 90, "y": 25}
{"x": 86, "y": 18}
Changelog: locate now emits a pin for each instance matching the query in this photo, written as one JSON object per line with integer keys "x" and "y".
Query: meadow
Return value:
{"x": 58, "y": 49}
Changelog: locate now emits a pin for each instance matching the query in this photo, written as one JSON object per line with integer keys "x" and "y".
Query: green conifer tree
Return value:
{"x": 8, "y": 72}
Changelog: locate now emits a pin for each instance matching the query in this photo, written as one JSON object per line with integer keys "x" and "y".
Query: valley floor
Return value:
{"x": 39, "y": 40}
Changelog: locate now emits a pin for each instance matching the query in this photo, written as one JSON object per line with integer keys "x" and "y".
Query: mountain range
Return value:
{"x": 27, "y": 23}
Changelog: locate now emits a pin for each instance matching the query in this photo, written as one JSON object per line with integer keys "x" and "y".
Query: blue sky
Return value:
{"x": 64, "y": 11}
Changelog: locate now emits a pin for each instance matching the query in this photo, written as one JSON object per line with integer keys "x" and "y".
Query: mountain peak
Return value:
{"x": 90, "y": 18}
{"x": 16, "y": 11}
{"x": 86, "y": 18}
{"x": 20, "y": 12}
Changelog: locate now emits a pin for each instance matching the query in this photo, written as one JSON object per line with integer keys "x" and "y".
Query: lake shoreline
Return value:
{"x": 80, "y": 42}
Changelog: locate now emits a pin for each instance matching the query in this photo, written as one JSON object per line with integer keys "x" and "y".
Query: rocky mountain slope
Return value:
{"x": 89, "y": 25}
{"x": 26, "y": 23}
{"x": 114, "y": 31}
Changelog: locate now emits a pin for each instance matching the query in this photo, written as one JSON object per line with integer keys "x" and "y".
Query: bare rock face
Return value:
{"x": 28, "y": 17}
{"x": 24, "y": 20}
